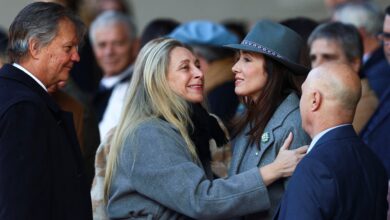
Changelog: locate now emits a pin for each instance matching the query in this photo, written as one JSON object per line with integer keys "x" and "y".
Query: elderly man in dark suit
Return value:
{"x": 41, "y": 173}
{"x": 340, "y": 177}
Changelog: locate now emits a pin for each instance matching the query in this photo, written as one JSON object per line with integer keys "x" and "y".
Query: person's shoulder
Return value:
{"x": 156, "y": 128}
{"x": 13, "y": 88}
{"x": 336, "y": 152}
{"x": 289, "y": 104}
{"x": 153, "y": 123}
{"x": 287, "y": 114}
{"x": 22, "y": 110}
{"x": 288, "y": 111}
{"x": 22, "y": 97}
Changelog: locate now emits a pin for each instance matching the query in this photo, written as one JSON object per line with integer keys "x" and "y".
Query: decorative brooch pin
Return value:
{"x": 265, "y": 137}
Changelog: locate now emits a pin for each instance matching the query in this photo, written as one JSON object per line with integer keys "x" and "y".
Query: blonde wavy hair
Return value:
{"x": 149, "y": 96}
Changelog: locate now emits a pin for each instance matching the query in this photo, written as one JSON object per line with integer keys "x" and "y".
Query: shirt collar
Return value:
{"x": 31, "y": 75}
{"x": 110, "y": 81}
{"x": 322, "y": 133}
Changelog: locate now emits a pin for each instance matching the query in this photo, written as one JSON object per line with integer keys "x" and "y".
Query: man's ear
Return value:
{"x": 356, "y": 64}
{"x": 316, "y": 100}
{"x": 33, "y": 48}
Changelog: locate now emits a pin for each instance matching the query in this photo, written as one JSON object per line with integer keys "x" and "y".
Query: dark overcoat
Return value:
{"x": 41, "y": 171}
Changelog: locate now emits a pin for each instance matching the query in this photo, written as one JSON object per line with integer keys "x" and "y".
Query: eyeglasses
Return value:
{"x": 385, "y": 37}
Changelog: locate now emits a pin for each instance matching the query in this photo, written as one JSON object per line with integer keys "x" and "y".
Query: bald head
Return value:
{"x": 338, "y": 83}
{"x": 329, "y": 96}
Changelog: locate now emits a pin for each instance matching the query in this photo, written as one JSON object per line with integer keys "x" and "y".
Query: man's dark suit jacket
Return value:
{"x": 41, "y": 172}
{"x": 377, "y": 70}
{"x": 376, "y": 133}
{"x": 340, "y": 178}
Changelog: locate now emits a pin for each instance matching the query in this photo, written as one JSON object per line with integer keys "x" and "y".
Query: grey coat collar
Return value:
{"x": 289, "y": 104}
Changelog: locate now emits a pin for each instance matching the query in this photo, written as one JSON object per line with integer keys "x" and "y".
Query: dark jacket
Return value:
{"x": 339, "y": 179}
{"x": 376, "y": 132}
{"x": 41, "y": 171}
{"x": 377, "y": 70}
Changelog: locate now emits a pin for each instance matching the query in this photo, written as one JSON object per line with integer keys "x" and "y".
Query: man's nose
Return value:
{"x": 76, "y": 57}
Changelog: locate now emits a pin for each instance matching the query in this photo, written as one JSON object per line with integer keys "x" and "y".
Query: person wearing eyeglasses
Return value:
{"x": 376, "y": 132}
{"x": 367, "y": 17}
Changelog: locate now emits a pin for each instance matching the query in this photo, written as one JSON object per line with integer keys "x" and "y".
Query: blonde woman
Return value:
{"x": 153, "y": 169}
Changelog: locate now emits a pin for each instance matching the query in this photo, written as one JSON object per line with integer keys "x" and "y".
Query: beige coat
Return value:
{"x": 366, "y": 107}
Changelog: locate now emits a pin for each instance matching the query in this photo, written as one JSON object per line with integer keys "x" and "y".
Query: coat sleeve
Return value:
{"x": 311, "y": 194}
{"x": 24, "y": 165}
{"x": 164, "y": 172}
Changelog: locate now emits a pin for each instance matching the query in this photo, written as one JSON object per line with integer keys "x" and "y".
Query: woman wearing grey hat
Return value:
{"x": 264, "y": 79}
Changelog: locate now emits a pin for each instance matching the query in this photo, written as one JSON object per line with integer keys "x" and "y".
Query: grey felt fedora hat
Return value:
{"x": 275, "y": 41}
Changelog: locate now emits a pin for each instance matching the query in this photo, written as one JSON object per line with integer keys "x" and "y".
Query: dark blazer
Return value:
{"x": 376, "y": 133}
{"x": 377, "y": 70}
{"x": 41, "y": 171}
{"x": 339, "y": 179}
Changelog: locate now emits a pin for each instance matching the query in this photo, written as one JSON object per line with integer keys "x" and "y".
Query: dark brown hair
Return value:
{"x": 258, "y": 112}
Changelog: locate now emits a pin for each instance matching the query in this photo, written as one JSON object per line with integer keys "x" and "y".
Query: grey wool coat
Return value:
{"x": 156, "y": 178}
{"x": 285, "y": 119}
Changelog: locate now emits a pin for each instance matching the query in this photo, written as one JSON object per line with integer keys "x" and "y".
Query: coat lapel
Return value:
{"x": 268, "y": 138}
{"x": 13, "y": 73}
{"x": 63, "y": 119}
{"x": 382, "y": 112}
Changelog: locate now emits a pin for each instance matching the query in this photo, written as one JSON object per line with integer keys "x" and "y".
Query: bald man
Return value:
{"x": 339, "y": 178}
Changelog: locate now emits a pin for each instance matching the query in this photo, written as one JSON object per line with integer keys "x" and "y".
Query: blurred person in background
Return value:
{"x": 331, "y": 5}
{"x": 92, "y": 8}
{"x": 335, "y": 41}
{"x": 3, "y": 47}
{"x": 114, "y": 40}
{"x": 367, "y": 17}
{"x": 376, "y": 133}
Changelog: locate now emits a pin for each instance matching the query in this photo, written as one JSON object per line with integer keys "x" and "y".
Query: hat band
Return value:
{"x": 264, "y": 49}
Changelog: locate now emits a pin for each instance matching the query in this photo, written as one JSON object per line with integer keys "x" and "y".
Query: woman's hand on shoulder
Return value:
{"x": 284, "y": 163}
{"x": 287, "y": 160}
